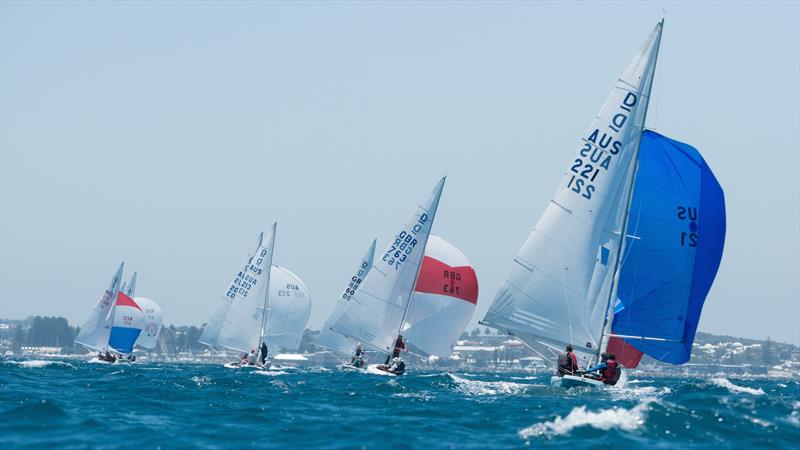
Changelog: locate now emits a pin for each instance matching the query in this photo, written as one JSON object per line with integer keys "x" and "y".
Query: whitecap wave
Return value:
{"x": 621, "y": 418}
{"x": 39, "y": 363}
{"x": 725, "y": 383}
{"x": 477, "y": 387}
{"x": 271, "y": 373}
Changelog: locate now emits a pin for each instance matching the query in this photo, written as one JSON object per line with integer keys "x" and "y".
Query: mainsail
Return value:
{"x": 444, "y": 299}
{"x": 94, "y": 333}
{"x": 130, "y": 290}
{"x": 289, "y": 308}
{"x": 238, "y": 321}
{"x": 328, "y": 339}
{"x": 557, "y": 290}
{"x": 375, "y": 311}
{"x": 676, "y": 234}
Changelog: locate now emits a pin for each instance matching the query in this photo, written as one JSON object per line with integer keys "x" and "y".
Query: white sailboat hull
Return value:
{"x": 256, "y": 366}
{"x": 571, "y": 381}
{"x": 374, "y": 370}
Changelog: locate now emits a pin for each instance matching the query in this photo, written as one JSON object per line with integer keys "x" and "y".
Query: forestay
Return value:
{"x": 330, "y": 340}
{"x": 288, "y": 311}
{"x": 444, "y": 299}
{"x": 95, "y": 331}
{"x": 375, "y": 311}
{"x": 675, "y": 240}
{"x": 237, "y": 323}
{"x": 557, "y": 289}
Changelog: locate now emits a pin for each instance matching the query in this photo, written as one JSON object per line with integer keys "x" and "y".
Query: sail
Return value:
{"x": 127, "y": 324}
{"x": 152, "y": 320}
{"x": 676, "y": 235}
{"x": 237, "y": 323}
{"x": 557, "y": 289}
{"x": 444, "y": 299}
{"x": 330, "y": 340}
{"x": 288, "y": 310}
{"x": 375, "y": 311}
{"x": 94, "y": 332}
{"x": 130, "y": 290}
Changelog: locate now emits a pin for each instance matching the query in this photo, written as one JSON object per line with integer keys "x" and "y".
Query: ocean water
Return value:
{"x": 76, "y": 404}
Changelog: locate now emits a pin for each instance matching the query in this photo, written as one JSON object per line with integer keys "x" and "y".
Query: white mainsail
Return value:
{"x": 557, "y": 290}
{"x": 238, "y": 321}
{"x": 375, "y": 311}
{"x": 94, "y": 333}
{"x": 329, "y": 339}
{"x": 130, "y": 290}
{"x": 288, "y": 312}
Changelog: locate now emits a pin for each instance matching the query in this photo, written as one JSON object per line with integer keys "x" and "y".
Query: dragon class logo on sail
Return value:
{"x": 688, "y": 239}
{"x": 598, "y": 151}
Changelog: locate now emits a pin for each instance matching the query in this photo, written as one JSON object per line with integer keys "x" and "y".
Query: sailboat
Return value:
{"x": 95, "y": 332}
{"x": 441, "y": 305}
{"x": 287, "y": 316}
{"x": 238, "y": 323}
{"x": 338, "y": 344}
{"x": 374, "y": 313}
{"x": 576, "y": 269}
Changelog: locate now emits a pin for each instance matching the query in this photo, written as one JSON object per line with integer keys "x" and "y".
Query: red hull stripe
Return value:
{"x": 436, "y": 277}
{"x": 124, "y": 300}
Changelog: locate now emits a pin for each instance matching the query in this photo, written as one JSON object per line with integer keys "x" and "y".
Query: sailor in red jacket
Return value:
{"x": 609, "y": 369}
{"x": 567, "y": 363}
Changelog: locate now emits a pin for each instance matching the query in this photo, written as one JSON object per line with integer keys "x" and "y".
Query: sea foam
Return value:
{"x": 624, "y": 419}
{"x": 725, "y": 383}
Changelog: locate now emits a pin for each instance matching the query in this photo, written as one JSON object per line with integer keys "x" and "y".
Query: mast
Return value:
{"x": 416, "y": 275}
{"x": 266, "y": 288}
{"x": 612, "y": 295}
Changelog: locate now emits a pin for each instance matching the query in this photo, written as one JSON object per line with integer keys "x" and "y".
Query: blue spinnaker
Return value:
{"x": 676, "y": 233}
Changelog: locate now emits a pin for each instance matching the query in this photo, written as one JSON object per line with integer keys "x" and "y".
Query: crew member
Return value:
{"x": 567, "y": 363}
{"x": 399, "y": 346}
{"x": 608, "y": 369}
{"x": 264, "y": 350}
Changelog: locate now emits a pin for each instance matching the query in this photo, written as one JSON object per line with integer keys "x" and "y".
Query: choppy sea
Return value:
{"x": 76, "y": 404}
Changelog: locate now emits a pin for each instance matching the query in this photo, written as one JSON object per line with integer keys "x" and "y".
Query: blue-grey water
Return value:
{"x": 75, "y": 404}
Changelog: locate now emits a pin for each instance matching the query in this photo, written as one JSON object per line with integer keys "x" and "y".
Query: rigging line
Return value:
{"x": 566, "y": 296}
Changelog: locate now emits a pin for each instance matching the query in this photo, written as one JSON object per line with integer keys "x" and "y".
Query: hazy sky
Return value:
{"x": 170, "y": 134}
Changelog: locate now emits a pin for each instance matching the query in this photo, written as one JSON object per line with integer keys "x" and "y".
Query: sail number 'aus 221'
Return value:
{"x": 248, "y": 277}
{"x": 404, "y": 244}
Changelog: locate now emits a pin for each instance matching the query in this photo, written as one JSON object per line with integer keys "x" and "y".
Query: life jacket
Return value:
{"x": 565, "y": 362}
{"x": 612, "y": 372}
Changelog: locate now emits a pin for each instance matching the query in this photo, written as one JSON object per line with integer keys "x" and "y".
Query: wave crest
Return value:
{"x": 735, "y": 389}
{"x": 624, "y": 419}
